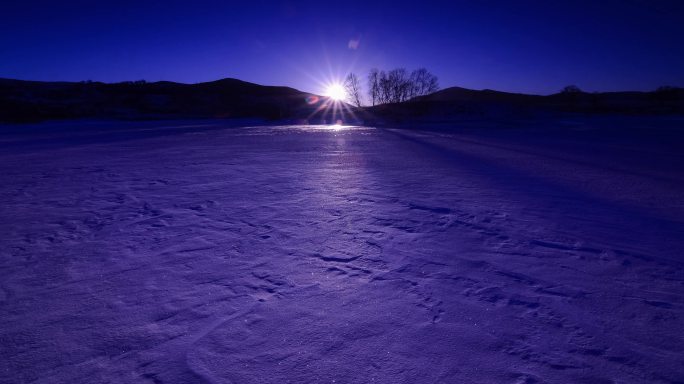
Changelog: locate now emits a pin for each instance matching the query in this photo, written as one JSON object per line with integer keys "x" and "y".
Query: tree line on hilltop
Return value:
{"x": 393, "y": 86}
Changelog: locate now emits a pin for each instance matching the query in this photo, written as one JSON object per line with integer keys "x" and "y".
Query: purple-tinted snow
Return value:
{"x": 550, "y": 253}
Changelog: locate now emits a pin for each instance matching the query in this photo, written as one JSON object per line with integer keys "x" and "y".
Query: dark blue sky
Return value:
{"x": 523, "y": 46}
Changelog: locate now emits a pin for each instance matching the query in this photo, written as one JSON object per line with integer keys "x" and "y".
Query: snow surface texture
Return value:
{"x": 547, "y": 254}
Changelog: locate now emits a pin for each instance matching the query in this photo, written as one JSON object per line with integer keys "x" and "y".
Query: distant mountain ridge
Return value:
{"x": 226, "y": 98}
{"x": 457, "y": 103}
{"x": 458, "y": 93}
{"x": 22, "y": 100}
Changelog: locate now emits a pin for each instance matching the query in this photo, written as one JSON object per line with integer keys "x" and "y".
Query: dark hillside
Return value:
{"x": 227, "y": 98}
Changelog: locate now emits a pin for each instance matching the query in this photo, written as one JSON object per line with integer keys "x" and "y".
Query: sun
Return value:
{"x": 336, "y": 92}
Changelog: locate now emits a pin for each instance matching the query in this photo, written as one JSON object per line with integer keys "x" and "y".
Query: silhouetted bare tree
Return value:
{"x": 385, "y": 88}
{"x": 398, "y": 85}
{"x": 571, "y": 89}
{"x": 353, "y": 88}
{"x": 374, "y": 85}
{"x": 423, "y": 83}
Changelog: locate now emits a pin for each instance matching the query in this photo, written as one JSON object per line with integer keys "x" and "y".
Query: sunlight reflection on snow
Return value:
{"x": 301, "y": 128}
{"x": 326, "y": 127}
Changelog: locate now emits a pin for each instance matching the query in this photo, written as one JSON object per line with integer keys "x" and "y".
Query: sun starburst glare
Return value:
{"x": 336, "y": 92}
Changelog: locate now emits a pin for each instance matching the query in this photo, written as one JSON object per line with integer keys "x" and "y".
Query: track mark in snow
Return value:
{"x": 565, "y": 247}
{"x": 337, "y": 258}
{"x": 659, "y": 304}
{"x": 437, "y": 210}
{"x": 195, "y": 244}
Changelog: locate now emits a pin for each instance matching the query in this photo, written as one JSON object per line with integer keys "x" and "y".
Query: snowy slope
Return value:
{"x": 547, "y": 254}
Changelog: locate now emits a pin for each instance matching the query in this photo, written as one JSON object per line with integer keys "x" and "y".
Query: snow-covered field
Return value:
{"x": 188, "y": 252}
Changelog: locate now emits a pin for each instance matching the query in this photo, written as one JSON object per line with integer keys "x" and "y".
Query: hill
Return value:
{"x": 457, "y": 103}
{"x": 227, "y": 98}
{"x": 22, "y": 101}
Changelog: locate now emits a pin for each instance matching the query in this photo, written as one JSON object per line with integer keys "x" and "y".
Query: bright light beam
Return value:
{"x": 336, "y": 92}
